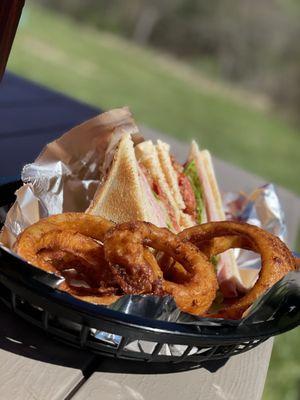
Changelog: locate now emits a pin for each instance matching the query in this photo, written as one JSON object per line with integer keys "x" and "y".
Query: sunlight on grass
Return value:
{"x": 106, "y": 71}
{"x": 283, "y": 381}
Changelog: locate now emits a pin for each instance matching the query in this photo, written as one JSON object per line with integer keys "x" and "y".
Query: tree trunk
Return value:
{"x": 10, "y": 12}
{"x": 145, "y": 24}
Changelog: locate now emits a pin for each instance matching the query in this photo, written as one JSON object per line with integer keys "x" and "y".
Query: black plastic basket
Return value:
{"x": 28, "y": 292}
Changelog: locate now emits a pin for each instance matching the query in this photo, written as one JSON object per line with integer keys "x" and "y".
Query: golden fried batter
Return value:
{"x": 276, "y": 259}
{"x": 123, "y": 247}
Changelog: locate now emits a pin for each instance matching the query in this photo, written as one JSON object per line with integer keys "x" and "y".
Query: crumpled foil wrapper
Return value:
{"x": 261, "y": 208}
{"x": 64, "y": 178}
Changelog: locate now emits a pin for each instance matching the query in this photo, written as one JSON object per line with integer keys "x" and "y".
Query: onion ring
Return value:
{"x": 28, "y": 242}
{"x": 123, "y": 246}
{"x": 276, "y": 258}
{"x": 76, "y": 251}
{"x": 134, "y": 267}
{"x": 68, "y": 241}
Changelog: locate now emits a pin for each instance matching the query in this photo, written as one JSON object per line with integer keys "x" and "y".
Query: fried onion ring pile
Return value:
{"x": 123, "y": 246}
{"x": 276, "y": 260}
{"x": 71, "y": 244}
{"x": 101, "y": 261}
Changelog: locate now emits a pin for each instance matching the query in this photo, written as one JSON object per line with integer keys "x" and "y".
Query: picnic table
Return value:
{"x": 34, "y": 366}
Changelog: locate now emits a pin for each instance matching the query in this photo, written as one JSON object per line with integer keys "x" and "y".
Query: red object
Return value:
{"x": 188, "y": 194}
{"x": 10, "y": 12}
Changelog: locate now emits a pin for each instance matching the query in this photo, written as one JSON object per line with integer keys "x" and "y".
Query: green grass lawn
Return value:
{"x": 283, "y": 380}
{"x": 106, "y": 71}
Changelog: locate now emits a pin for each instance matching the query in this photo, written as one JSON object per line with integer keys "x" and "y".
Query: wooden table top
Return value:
{"x": 32, "y": 365}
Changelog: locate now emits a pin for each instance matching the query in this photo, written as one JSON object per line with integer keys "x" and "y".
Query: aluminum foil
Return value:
{"x": 261, "y": 208}
{"x": 64, "y": 178}
{"x": 66, "y": 174}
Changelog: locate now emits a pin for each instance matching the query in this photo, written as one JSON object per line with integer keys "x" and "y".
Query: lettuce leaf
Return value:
{"x": 190, "y": 171}
{"x": 217, "y": 303}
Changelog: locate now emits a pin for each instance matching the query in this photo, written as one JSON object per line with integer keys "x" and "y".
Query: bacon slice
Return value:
{"x": 186, "y": 190}
{"x": 188, "y": 195}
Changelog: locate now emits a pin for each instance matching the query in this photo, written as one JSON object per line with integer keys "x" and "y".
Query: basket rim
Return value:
{"x": 229, "y": 330}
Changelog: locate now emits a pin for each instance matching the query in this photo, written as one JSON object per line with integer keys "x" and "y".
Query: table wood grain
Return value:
{"x": 242, "y": 378}
{"x": 34, "y": 366}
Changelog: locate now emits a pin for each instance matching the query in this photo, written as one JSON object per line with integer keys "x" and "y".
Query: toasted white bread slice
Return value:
{"x": 206, "y": 173}
{"x": 146, "y": 154}
{"x": 163, "y": 152}
{"x": 123, "y": 194}
{"x": 186, "y": 221}
{"x": 229, "y": 276}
